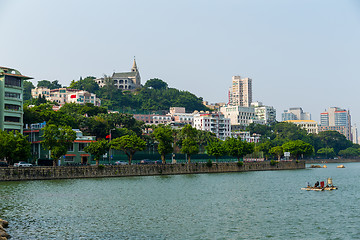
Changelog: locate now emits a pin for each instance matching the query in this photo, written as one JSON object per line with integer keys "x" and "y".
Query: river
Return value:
{"x": 247, "y": 205}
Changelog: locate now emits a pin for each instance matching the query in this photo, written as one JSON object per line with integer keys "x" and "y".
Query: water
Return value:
{"x": 251, "y": 205}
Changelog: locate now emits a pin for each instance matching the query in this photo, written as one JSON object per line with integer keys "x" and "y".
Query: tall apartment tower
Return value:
{"x": 11, "y": 99}
{"x": 336, "y": 119}
{"x": 240, "y": 93}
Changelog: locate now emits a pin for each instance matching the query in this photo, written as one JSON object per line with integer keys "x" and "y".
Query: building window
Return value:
{"x": 82, "y": 146}
{"x": 71, "y": 148}
{"x": 12, "y": 119}
{"x": 12, "y": 107}
{"x": 12, "y": 81}
{"x": 12, "y": 95}
{"x": 69, "y": 159}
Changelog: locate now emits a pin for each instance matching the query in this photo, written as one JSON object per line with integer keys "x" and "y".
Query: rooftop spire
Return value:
{"x": 134, "y": 67}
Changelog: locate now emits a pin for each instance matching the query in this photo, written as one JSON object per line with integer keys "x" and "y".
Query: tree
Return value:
{"x": 349, "y": 152}
{"x": 129, "y": 145}
{"x": 27, "y": 89}
{"x": 326, "y": 152}
{"x": 298, "y": 148}
{"x": 14, "y": 147}
{"x": 278, "y": 151}
{"x": 97, "y": 149}
{"x": 164, "y": 135}
{"x": 51, "y": 85}
{"x": 156, "y": 83}
{"x": 216, "y": 148}
{"x": 265, "y": 148}
{"x": 58, "y": 139}
{"x": 335, "y": 140}
{"x": 189, "y": 145}
{"x": 87, "y": 84}
{"x": 237, "y": 148}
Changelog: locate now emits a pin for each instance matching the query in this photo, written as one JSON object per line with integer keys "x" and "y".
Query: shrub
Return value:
{"x": 240, "y": 163}
{"x": 101, "y": 167}
{"x": 209, "y": 163}
{"x": 273, "y": 163}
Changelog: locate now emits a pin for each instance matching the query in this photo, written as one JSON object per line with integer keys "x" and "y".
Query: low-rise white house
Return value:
{"x": 65, "y": 95}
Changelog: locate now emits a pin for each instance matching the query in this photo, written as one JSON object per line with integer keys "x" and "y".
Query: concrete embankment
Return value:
{"x": 3, "y": 234}
{"x": 43, "y": 173}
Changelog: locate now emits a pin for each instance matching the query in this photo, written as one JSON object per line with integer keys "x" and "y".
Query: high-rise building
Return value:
{"x": 336, "y": 119}
{"x": 354, "y": 134}
{"x": 11, "y": 99}
{"x": 240, "y": 93}
{"x": 295, "y": 113}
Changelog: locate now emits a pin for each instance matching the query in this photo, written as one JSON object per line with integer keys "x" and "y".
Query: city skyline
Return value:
{"x": 297, "y": 53}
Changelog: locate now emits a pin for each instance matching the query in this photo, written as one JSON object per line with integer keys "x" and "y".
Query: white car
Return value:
{"x": 121, "y": 163}
{"x": 23, "y": 164}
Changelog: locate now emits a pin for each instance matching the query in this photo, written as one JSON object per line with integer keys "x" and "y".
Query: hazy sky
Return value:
{"x": 301, "y": 53}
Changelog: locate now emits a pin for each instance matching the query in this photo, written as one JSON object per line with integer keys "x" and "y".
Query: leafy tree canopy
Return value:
{"x": 97, "y": 149}
{"x": 129, "y": 145}
{"x": 156, "y": 83}
{"x": 46, "y": 83}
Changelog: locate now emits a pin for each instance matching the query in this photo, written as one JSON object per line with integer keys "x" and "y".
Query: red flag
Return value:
{"x": 108, "y": 136}
{"x": 73, "y": 96}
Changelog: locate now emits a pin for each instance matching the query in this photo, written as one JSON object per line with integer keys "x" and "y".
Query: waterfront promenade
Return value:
{"x": 44, "y": 173}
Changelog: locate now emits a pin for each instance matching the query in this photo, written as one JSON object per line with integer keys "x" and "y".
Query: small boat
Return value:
{"x": 329, "y": 186}
{"x": 341, "y": 166}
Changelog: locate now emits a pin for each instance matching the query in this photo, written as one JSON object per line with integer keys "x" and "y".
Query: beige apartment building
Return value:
{"x": 240, "y": 92}
{"x": 310, "y": 126}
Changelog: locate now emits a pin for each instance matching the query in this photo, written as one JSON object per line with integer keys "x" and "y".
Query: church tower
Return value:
{"x": 134, "y": 67}
{"x": 137, "y": 74}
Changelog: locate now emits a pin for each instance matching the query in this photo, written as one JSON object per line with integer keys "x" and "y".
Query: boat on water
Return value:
{"x": 329, "y": 186}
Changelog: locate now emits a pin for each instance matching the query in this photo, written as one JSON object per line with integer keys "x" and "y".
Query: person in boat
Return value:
{"x": 317, "y": 184}
{"x": 308, "y": 184}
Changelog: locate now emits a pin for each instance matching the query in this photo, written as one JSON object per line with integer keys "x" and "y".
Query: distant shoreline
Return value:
{"x": 331, "y": 161}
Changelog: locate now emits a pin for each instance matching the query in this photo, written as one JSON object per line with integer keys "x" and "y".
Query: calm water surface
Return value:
{"x": 252, "y": 205}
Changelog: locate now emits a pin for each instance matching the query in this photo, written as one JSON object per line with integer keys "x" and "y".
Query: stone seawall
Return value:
{"x": 43, "y": 173}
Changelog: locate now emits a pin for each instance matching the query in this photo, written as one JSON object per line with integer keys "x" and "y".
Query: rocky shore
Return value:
{"x": 3, "y": 234}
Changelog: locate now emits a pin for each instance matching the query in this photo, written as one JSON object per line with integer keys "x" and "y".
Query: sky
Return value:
{"x": 301, "y": 53}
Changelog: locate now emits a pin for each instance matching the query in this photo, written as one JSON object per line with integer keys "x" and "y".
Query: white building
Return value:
{"x": 240, "y": 93}
{"x": 354, "y": 133}
{"x": 295, "y": 113}
{"x": 245, "y": 136}
{"x": 240, "y": 117}
{"x": 213, "y": 122}
{"x": 264, "y": 113}
{"x": 64, "y": 95}
{"x": 310, "y": 126}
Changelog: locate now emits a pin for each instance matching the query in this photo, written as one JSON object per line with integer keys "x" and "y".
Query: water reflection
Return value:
{"x": 252, "y": 205}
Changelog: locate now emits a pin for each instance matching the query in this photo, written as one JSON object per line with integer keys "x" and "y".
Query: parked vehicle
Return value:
{"x": 3, "y": 164}
{"x": 23, "y": 164}
{"x": 121, "y": 163}
{"x": 147, "y": 161}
